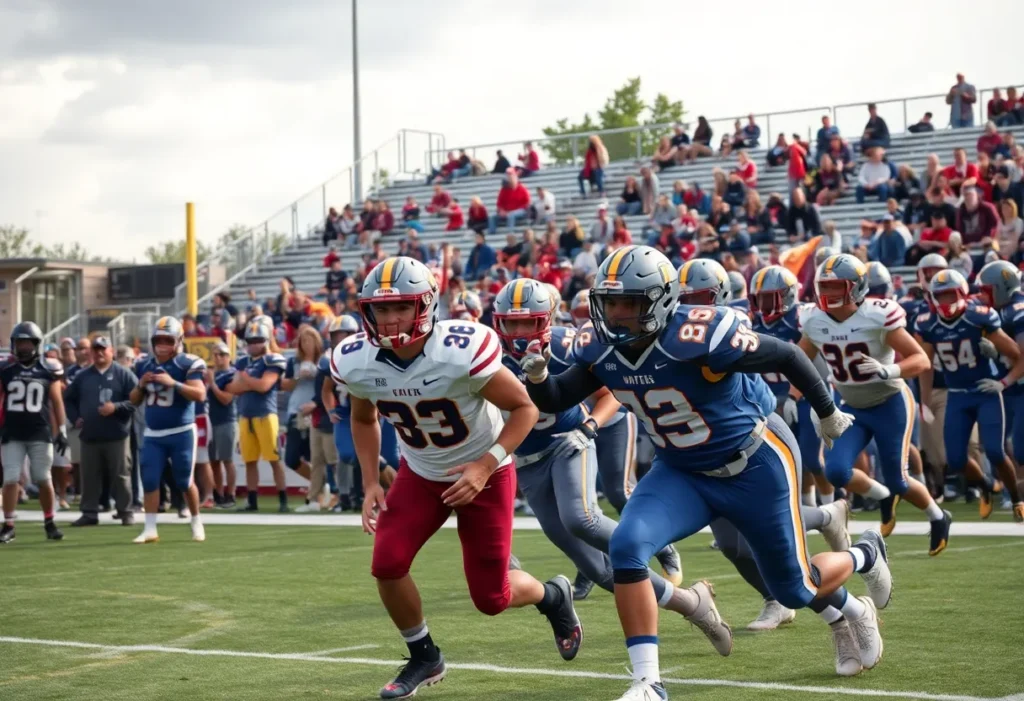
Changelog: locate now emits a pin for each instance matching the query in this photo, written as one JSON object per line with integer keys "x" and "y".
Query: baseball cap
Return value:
{"x": 221, "y": 348}
{"x": 101, "y": 342}
{"x": 887, "y": 217}
{"x": 67, "y": 342}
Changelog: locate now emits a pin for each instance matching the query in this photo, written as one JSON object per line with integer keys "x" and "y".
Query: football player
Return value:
{"x": 171, "y": 383}
{"x": 954, "y": 332}
{"x": 333, "y": 398}
{"x": 859, "y": 339}
{"x": 33, "y": 425}
{"x": 443, "y": 387}
{"x": 703, "y": 281}
{"x": 682, "y": 370}
{"x": 467, "y": 306}
{"x": 1000, "y": 287}
{"x": 738, "y": 292}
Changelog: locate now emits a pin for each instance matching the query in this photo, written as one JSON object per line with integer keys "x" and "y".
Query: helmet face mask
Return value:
{"x": 768, "y": 304}
{"x": 841, "y": 283}
{"x": 774, "y": 292}
{"x": 634, "y": 295}
{"x": 623, "y": 318}
{"x": 257, "y": 336}
{"x": 704, "y": 282}
{"x": 523, "y": 312}
{"x": 833, "y": 294}
{"x": 704, "y": 297}
{"x": 26, "y": 350}
{"x": 399, "y": 303}
{"x": 166, "y": 338}
{"x": 948, "y": 294}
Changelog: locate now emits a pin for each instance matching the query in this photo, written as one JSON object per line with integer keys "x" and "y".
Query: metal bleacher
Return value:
{"x": 303, "y": 260}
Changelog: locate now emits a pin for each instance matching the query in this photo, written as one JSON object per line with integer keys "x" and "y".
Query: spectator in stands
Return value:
{"x": 481, "y": 258}
{"x": 331, "y": 226}
{"x": 824, "y": 136}
{"x": 698, "y": 200}
{"x": 621, "y": 236}
{"x": 874, "y": 177}
{"x": 384, "y": 222}
{"x": 1008, "y": 146}
{"x": 348, "y": 226}
{"x": 222, "y": 300}
{"x": 990, "y": 140}
{"x": 601, "y": 230}
{"x": 416, "y": 248}
{"x": 961, "y": 99}
{"x": 680, "y": 141}
{"x": 757, "y": 220}
{"x": 906, "y": 182}
{"x": 1011, "y": 227}
{"x": 629, "y": 200}
{"x": 751, "y": 133}
{"x": 996, "y": 105}
{"x": 730, "y": 142}
{"x": 708, "y": 242}
{"x": 678, "y": 192}
{"x": 890, "y": 248}
{"x": 664, "y": 155}
{"x": 543, "y": 208}
{"x": 508, "y": 257}
{"x": 876, "y": 131}
{"x": 190, "y": 328}
{"x": 937, "y": 201}
{"x": 828, "y": 182}
{"x": 915, "y": 213}
{"x": 439, "y": 202}
{"x": 735, "y": 191}
{"x": 701, "y": 145}
{"x": 478, "y": 218}
{"x": 720, "y": 180}
{"x": 961, "y": 173}
{"x": 411, "y": 214}
{"x": 986, "y": 173}
{"x": 925, "y": 125}
{"x": 840, "y": 153}
{"x": 1014, "y": 114}
{"x": 650, "y": 188}
{"x": 664, "y": 240}
{"x": 932, "y": 170}
{"x": 572, "y": 237}
{"x": 802, "y": 220}
{"x": 779, "y": 153}
{"x": 684, "y": 223}
{"x": 513, "y": 204}
{"x": 530, "y": 161}
{"x": 797, "y": 169}
{"x": 584, "y": 263}
{"x": 594, "y": 163}
{"x": 935, "y": 238}
{"x": 721, "y": 214}
{"x": 746, "y": 169}
{"x": 365, "y": 225}
{"x": 528, "y": 253}
{"x": 501, "y": 164}
{"x": 332, "y": 255}
{"x": 463, "y": 167}
{"x": 549, "y": 243}
{"x": 456, "y": 219}
{"x": 334, "y": 282}
{"x": 738, "y": 242}
{"x": 1005, "y": 189}
{"x": 959, "y": 259}
{"x": 977, "y": 221}
{"x": 662, "y": 216}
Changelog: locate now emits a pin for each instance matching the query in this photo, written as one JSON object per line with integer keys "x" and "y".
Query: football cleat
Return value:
{"x": 847, "y": 654}
{"x": 985, "y": 503}
{"x": 879, "y": 578}
{"x": 146, "y": 536}
{"x": 413, "y": 675}
{"x": 887, "y": 512}
{"x": 837, "y": 532}
{"x": 940, "y": 533}
{"x": 198, "y": 532}
{"x": 1018, "y": 512}
{"x": 865, "y": 633}
{"x": 708, "y": 620}
{"x": 643, "y": 690}
{"x": 582, "y": 587}
{"x": 7, "y": 534}
{"x": 773, "y": 614}
{"x": 564, "y": 621}
{"x": 671, "y": 564}
{"x": 52, "y": 532}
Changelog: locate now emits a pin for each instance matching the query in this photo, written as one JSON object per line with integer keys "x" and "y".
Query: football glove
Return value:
{"x": 788, "y": 411}
{"x": 573, "y": 442}
{"x": 988, "y": 349}
{"x": 990, "y": 386}
{"x": 60, "y": 441}
{"x": 832, "y": 426}
{"x": 535, "y": 362}
{"x": 870, "y": 366}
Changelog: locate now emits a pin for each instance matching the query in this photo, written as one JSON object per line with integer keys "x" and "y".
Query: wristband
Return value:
{"x": 177, "y": 387}
{"x": 498, "y": 452}
{"x": 893, "y": 370}
{"x": 589, "y": 428}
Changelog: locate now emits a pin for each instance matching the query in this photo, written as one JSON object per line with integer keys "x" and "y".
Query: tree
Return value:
{"x": 625, "y": 108}
{"x": 15, "y": 243}
{"x": 224, "y": 249}
{"x": 382, "y": 179}
{"x": 174, "y": 252}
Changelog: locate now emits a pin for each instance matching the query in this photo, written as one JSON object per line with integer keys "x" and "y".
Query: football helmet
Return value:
{"x": 523, "y": 299}
{"x": 704, "y": 281}
{"x": 26, "y": 331}
{"x": 998, "y": 281}
{"x": 948, "y": 281}
{"x": 842, "y": 268}
{"x": 641, "y": 273}
{"x": 879, "y": 281}
{"x": 775, "y": 291}
{"x": 399, "y": 279}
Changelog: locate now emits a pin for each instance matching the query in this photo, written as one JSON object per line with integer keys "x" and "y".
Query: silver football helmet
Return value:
{"x": 703, "y": 281}
{"x": 643, "y": 277}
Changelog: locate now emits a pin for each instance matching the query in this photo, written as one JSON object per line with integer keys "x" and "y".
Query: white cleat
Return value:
{"x": 146, "y": 537}
{"x": 707, "y": 618}
{"x": 198, "y": 532}
{"x": 772, "y": 616}
{"x": 865, "y": 633}
{"x": 847, "y": 654}
{"x": 879, "y": 578}
{"x": 837, "y": 532}
{"x": 643, "y": 690}
{"x": 311, "y": 507}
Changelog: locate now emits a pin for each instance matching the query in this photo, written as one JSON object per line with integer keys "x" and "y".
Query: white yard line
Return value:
{"x": 336, "y": 650}
{"x": 522, "y": 523}
{"x": 495, "y": 669}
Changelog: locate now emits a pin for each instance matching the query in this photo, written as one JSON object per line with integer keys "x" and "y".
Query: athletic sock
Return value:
{"x": 852, "y": 607}
{"x": 863, "y": 555}
{"x": 196, "y": 519}
{"x": 933, "y": 512}
{"x": 48, "y": 517}
{"x": 643, "y": 657}
{"x": 150, "y": 521}
{"x": 282, "y": 497}
{"x": 876, "y": 491}
{"x": 421, "y": 645}
{"x": 807, "y": 498}
{"x": 552, "y": 599}
{"x": 831, "y": 615}
{"x": 252, "y": 498}
{"x": 827, "y": 498}
{"x": 9, "y": 519}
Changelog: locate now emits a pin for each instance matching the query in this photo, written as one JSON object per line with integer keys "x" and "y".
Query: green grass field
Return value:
{"x": 260, "y": 612}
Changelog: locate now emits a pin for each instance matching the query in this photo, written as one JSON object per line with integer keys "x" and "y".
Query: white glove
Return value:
{"x": 832, "y": 426}
{"x": 870, "y": 366}
{"x": 535, "y": 362}
{"x": 927, "y": 415}
{"x": 573, "y": 442}
{"x": 988, "y": 349}
{"x": 990, "y": 386}
{"x": 788, "y": 413}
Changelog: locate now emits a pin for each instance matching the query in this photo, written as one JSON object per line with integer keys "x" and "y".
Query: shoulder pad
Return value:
{"x": 324, "y": 364}
{"x": 484, "y": 346}
{"x": 562, "y": 338}
{"x": 189, "y": 362}
{"x": 586, "y": 349}
{"x": 275, "y": 360}
{"x": 348, "y": 357}
{"x": 693, "y": 331}
{"x": 805, "y": 315}
{"x": 792, "y": 318}
{"x": 53, "y": 366}
{"x": 982, "y": 315}
{"x": 242, "y": 363}
{"x": 923, "y": 321}
{"x": 885, "y": 313}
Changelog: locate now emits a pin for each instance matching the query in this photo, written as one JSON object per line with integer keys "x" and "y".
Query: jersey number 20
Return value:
{"x": 660, "y": 423}
{"x": 25, "y": 397}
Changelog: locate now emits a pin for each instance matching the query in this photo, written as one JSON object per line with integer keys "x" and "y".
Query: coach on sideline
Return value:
{"x": 97, "y": 401}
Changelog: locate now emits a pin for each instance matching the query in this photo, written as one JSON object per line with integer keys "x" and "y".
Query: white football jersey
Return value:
{"x": 843, "y": 344}
{"x": 433, "y": 401}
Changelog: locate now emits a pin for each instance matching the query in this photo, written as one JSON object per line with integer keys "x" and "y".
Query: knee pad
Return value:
{"x": 838, "y": 475}
{"x": 388, "y": 568}
{"x": 490, "y": 604}
{"x": 628, "y": 552}
{"x": 793, "y": 595}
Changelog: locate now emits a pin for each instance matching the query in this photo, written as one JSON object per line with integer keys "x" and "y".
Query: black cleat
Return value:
{"x": 940, "y": 533}
{"x": 84, "y": 520}
{"x": 564, "y": 621}
{"x": 887, "y": 513}
{"x": 7, "y": 534}
{"x": 248, "y": 508}
{"x": 671, "y": 564}
{"x": 413, "y": 675}
{"x": 52, "y": 532}
{"x": 227, "y": 504}
{"x": 582, "y": 587}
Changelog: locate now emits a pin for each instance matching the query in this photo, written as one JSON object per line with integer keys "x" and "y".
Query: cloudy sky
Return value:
{"x": 113, "y": 113}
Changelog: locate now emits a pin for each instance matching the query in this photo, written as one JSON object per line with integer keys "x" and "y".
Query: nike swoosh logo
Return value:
{"x": 659, "y": 366}
{"x": 430, "y": 382}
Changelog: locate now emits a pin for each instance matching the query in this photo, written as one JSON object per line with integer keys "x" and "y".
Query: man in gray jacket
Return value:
{"x": 97, "y": 402}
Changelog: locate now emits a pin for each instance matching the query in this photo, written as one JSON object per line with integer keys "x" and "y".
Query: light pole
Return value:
{"x": 357, "y": 151}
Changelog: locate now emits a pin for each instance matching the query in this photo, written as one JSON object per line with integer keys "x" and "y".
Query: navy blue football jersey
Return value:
{"x": 1011, "y": 317}
{"x": 696, "y": 412}
{"x": 913, "y": 308}
{"x": 550, "y": 427}
{"x": 343, "y": 407}
{"x": 221, "y": 414}
{"x": 26, "y": 390}
{"x": 166, "y": 408}
{"x": 957, "y": 344}
{"x": 786, "y": 328}
{"x": 252, "y": 405}
{"x": 741, "y": 305}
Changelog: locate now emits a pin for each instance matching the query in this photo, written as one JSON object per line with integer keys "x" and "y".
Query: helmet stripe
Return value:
{"x": 517, "y": 293}
{"x": 761, "y": 275}
{"x": 386, "y": 273}
{"x": 830, "y": 263}
{"x": 684, "y": 272}
{"x": 616, "y": 261}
